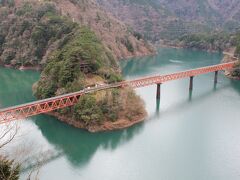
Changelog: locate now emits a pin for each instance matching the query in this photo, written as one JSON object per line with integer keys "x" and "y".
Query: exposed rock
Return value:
{"x": 105, "y": 126}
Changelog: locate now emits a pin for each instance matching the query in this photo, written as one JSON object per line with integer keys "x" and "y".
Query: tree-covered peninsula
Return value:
{"x": 64, "y": 73}
{"x": 72, "y": 55}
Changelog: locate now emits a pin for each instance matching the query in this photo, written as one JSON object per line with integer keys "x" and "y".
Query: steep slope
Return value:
{"x": 215, "y": 13}
{"x": 147, "y": 17}
{"x": 152, "y": 18}
{"x": 29, "y": 33}
{"x": 20, "y": 25}
{"x": 216, "y": 41}
{"x": 73, "y": 57}
{"x": 168, "y": 19}
{"x": 106, "y": 110}
{"x": 191, "y": 10}
{"x": 115, "y": 35}
{"x": 144, "y": 16}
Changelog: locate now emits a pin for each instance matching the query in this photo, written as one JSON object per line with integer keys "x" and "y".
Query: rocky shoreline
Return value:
{"x": 121, "y": 123}
{"x": 105, "y": 126}
{"x": 177, "y": 46}
{"x": 154, "y": 53}
{"x": 23, "y": 68}
{"x": 229, "y": 57}
{"x": 228, "y": 75}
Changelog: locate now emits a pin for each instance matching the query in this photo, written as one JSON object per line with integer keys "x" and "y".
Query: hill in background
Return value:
{"x": 168, "y": 19}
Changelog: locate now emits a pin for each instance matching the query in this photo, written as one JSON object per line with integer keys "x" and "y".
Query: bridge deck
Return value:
{"x": 58, "y": 102}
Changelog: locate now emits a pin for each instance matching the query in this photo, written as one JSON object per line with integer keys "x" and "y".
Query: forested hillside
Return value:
{"x": 167, "y": 19}
{"x": 75, "y": 50}
{"x": 216, "y": 41}
{"x": 214, "y": 13}
{"x": 30, "y": 32}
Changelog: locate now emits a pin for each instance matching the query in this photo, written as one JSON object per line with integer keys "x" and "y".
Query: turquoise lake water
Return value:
{"x": 185, "y": 137}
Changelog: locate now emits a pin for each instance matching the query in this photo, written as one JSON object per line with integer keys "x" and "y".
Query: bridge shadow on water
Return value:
{"x": 78, "y": 145}
{"x": 191, "y": 99}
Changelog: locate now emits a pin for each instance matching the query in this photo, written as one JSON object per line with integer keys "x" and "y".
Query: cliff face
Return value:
{"x": 167, "y": 19}
{"x": 30, "y": 30}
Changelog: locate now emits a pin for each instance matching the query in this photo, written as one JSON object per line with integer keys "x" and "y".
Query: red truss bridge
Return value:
{"x": 47, "y": 105}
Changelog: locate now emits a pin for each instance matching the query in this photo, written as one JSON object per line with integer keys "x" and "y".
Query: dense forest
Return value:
{"x": 28, "y": 36}
{"x": 31, "y": 30}
{"x": 217, "y": 41}
{"x": 161, "y": 20}
{"x": 78, "y": 46}
{"x": 71, "y": 57}
{"x": 208, "y": 41}
{"x": 63, "y": 74}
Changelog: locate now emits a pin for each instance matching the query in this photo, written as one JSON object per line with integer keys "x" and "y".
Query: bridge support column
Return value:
{"x": 158, "y": 95}
{"x": 216, "y": 77}
{"x": 191, "y": 83}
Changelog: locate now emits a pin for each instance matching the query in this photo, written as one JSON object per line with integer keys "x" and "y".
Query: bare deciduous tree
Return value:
{"x": 7, "y": 133}
{"x": 9, "y": 170}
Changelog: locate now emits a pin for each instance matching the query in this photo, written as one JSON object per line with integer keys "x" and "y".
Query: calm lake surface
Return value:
{"x": 186, "y": 136}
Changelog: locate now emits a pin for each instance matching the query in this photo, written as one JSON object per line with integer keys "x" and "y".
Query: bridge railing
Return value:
{"x": 179, "y": 75}
{"x": 51, "y": 104}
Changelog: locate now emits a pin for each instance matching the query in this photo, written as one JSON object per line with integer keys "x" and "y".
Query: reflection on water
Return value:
{"x": 236, "y": 85}
{"x": 188, "y": 135}
{"x": 181, "y": 105}
{"x": 79, "y": 145}
{"x": 150, "y": 65}
{"x": 158, "y": 102}
{"x": 16, "y": 86}
{"x": 190, "y": 95}
{"x": 197, "y": 98}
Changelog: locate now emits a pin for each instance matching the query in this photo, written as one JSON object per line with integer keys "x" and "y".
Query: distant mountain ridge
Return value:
{"x": 168, "y": 19}
{"x": 217, "y": 12}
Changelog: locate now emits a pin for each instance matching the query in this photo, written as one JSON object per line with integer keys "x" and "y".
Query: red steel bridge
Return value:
{"x": 47, "y": 105}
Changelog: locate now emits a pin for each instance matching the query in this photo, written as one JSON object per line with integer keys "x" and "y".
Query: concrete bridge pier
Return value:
{"x": 216, "y": 77}
{"x": 158, "y": 95}
{"x": 191, "y": 83}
